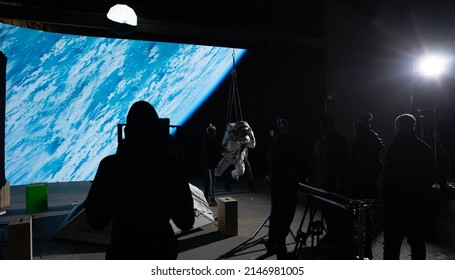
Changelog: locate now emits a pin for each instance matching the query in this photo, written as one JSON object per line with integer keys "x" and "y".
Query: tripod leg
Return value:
{"x": 261, "y": 226}
{"x": 301, "y": 235}
{"x": 247, "y": 243}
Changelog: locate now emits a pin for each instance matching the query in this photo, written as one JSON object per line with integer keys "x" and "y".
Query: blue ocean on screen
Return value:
{"x": 65, "y": 95}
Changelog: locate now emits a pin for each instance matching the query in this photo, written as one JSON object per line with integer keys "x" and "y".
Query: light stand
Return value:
{"x": 431, "y": 66}
{"x": 411, "y": 106}
{"x": 435, "y": 137}
{"x": 421, "y": 119}
{"x": 440, "y": 177}
{"x": 437, "y": 146}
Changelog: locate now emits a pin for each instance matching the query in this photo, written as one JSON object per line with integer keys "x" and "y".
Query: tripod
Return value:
{"x": 250, "y": 242}
{"x": 315, "y": 229}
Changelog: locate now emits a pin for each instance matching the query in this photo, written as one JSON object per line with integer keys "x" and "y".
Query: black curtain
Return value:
{"x": 2, "y": 117}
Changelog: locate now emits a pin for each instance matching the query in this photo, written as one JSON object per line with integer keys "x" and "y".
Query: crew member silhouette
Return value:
{"x": 283, "y": 156}
{"x": 140, "y": 189}
{"x": 364, "y": 169}
{"x": 407, "y": 181}
{"x": 330, "y": 165}
{"x": 366, "y": 163}
{"x": 211, "y": 150}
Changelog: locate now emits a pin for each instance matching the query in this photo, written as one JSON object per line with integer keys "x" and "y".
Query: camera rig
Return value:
{"x": 164, "y": 130}
{"x": 172, "y": 143}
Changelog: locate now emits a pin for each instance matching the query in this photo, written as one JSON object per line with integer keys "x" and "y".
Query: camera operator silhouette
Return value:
{"x": 126, "y": 191}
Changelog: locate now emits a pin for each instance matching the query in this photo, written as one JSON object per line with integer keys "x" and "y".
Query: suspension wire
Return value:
{"x": 234, "y": 106}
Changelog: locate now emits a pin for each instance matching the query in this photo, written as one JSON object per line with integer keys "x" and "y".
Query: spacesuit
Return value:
{"x": 238, "y": 137}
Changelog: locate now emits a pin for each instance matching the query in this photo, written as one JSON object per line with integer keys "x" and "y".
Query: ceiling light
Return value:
{"x": 122, "y": 19}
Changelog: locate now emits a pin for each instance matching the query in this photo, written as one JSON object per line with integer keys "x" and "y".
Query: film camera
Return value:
{"x": 164, "y": 131}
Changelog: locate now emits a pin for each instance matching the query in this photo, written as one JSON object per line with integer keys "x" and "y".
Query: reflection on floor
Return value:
{"x": 206, "y": 242}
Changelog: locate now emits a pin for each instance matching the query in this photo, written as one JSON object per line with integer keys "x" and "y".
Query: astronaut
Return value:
{"x": 238, "y": 137}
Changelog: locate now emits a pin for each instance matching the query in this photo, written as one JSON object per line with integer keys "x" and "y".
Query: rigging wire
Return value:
{"x": 234, "y": 110}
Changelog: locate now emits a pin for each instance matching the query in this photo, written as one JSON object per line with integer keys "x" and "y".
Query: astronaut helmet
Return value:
{"x": 241, "y": 128}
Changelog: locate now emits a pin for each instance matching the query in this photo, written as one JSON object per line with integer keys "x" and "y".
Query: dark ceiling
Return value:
{"x": 244, "y": 23}
{"x": 235, "y": 22}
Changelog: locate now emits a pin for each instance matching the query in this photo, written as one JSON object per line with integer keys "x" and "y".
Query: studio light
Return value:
{"x": 122, "y": 19}
{"x": 432, "y": 65}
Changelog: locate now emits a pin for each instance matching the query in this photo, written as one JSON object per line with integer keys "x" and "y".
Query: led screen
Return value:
{"x": 65, "y": 95}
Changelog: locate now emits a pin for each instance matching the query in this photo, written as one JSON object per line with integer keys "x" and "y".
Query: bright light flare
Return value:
{"x": 122, "y": 14}
{"x": 433, "y": 65}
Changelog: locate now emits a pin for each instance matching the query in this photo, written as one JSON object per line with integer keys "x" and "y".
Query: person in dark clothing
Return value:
{"x": 330, "y": 165}
{"x": 366, "y": 163}
{"x": 407, "y": 181}
{"x": 283, "y": 156}
{"x": 330, "y": 158}
{"x": 211, "y": 150}
{"x": 126, "y": 192}
{"x": 365, "y": 167}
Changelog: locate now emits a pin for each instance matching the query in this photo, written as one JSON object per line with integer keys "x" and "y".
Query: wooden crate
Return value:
{"x": 5, "y": 194}
{"x": 20, "y": 239}
{"x": 227, "y": 216}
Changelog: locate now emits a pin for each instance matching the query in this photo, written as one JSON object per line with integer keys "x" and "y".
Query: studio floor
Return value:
{"x": 206, "y": 242}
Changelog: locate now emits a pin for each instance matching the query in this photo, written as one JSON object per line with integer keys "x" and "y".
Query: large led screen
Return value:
{"x": 65, "y": 95}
